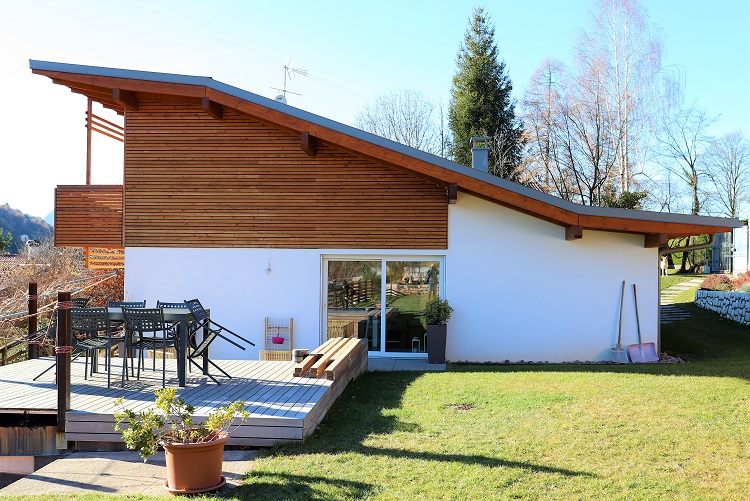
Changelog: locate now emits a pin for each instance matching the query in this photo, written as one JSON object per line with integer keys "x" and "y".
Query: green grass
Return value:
{"x": 636, "y": 432}
{"x": 676, "y": 431}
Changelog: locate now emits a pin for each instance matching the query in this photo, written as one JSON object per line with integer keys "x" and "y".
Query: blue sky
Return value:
{"x": 352, "y": 50}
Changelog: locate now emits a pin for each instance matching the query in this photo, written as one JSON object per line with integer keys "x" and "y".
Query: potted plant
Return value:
{"x": 437, "y": 313}
{"x": 194, "y": 453}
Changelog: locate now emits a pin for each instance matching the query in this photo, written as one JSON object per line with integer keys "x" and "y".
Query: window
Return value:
{"x": 381, "y": 300}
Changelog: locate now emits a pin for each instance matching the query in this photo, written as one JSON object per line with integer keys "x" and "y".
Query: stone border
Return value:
{"x": 732, "y": 305}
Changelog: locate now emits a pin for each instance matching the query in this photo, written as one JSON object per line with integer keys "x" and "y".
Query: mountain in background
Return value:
{"x": 18, "y": 223}
{"x": 50, "y": 218}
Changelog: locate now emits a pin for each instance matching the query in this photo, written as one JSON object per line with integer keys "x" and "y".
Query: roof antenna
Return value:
{"x": 288, "y": 72}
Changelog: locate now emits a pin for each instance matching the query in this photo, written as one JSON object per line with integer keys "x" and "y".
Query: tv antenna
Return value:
{"x": 288, "y": 73}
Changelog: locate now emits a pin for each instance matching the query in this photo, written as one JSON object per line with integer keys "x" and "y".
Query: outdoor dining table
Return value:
{"x": 170, "y": 315}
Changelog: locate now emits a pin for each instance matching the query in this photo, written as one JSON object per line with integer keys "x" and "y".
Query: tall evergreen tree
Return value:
{"x": 481, "y": 104}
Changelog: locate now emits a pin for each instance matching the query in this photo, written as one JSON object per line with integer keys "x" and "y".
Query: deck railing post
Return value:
{"x": 63, "y": 365}
{"x": 32, "y": 350}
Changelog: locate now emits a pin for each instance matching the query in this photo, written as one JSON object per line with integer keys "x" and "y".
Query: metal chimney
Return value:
{"x": 480, "y": 152}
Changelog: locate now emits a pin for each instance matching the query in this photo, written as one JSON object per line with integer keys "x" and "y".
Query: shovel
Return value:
{"x": 619, "y": 355}
{"x": 641, "y": 352}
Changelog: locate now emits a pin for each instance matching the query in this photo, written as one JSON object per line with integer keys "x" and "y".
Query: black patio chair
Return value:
{"x": 150, "y": 332}
{"x": 48, "y": 335}
{"x": 91, "y": 332}
{"x": 117, "y": 324}
{"x": 174, "y": 330}
{"x": 126, "y": 304}
{"x": 202, "y": 322}
{"x": 165, "y": 304}
{"x": 80, "y": 302}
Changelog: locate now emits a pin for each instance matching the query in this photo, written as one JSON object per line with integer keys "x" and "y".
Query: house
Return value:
{"x": 262, "y": 210}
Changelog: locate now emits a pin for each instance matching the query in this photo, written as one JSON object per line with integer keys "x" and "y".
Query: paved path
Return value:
{"x": 116, "y": 473}
{"x": 669, "y": 312}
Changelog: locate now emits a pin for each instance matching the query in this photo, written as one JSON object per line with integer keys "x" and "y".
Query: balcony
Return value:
{"x": 89, "y": 216}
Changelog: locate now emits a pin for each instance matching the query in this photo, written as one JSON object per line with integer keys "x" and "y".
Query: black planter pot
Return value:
{"x": 436, "y": 336}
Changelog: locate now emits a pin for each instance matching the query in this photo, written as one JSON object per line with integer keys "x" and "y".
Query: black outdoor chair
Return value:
{"x": 202, "y": 322}
{"x": 48, "y": 335}
{"x": 165, "y": 304}
{"x": 80, "y": 302}
{"x": 91, "y": 333}
{"x": 174, "y": 330}
{"x": 126, "y": 304}
{"x": 149, "y": 332}
{"x": 117, "y": 324}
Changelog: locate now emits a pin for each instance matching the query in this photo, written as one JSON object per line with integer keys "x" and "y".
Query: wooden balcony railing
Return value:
{"x": 105, "y": 259}
{"x": 89, "y": 216}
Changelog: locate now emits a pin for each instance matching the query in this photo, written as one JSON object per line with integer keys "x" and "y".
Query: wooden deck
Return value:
{"x": 283, "y": 408}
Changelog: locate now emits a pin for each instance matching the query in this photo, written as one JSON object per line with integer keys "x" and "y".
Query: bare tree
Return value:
{"x": 405, "y": 116}
{"x": 542, "y": 167}
{"x": 624, "y": 51}
{"x": 588, "y": 129}
{"x": 683, "y": 136}
{"x": 569, "y": 133}
{"x": 728, "y": 171}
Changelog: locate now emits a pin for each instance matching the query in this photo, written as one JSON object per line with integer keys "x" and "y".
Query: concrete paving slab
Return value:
{"x": 116, "y": 473}
{"x": 402, "y": 364}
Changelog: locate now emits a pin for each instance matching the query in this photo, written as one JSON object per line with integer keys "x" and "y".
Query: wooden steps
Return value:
{"x": 335, "y": 359}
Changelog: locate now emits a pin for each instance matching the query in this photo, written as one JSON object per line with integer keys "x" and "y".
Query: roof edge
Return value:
{"x": 524, "y": 191}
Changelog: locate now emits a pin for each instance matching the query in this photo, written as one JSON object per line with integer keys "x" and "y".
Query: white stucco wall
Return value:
{"x": 520, "y": 290}
{"x": 234, "y": 285}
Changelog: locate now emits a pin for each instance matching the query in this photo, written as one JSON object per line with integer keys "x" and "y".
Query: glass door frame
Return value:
{"x": 383, "y": 258}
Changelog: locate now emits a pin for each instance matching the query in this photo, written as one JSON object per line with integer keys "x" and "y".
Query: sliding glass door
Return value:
{"x": 353, "y": 300}
{"x": 381, "y": 300}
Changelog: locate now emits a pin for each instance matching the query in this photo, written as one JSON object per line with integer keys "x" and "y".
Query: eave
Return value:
{"x": 119, "y": 90}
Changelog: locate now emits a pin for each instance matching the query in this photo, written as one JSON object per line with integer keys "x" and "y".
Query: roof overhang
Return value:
{"x": 119, "y": 90}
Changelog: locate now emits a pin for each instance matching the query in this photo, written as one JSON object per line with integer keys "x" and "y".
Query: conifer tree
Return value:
{"x": 481, "y": 104}
{"x": 5, "y": 241}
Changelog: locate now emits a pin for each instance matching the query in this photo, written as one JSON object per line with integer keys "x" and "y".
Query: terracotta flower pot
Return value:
{"x": 195, "y": 468}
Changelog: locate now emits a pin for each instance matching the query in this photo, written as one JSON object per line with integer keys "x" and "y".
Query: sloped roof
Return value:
{"x": 118, "y": 89}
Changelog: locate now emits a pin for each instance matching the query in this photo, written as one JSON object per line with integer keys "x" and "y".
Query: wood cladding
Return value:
{"x": 194, "y": 181}
{"x": 88, "y": 216}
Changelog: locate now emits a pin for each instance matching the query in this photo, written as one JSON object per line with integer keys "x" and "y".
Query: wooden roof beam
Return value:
{"x": 573, "y": 232}
{"x": 452, "y": 193}
{"x": 308, "y": 143}
{"x": 212, "y": 108}
{"x": 652, "y": 240}
{"x": 127, "y": 99}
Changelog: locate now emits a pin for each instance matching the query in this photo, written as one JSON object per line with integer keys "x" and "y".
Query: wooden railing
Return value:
{"x": 105, "y": 259}
{"x": 89, "y": 216}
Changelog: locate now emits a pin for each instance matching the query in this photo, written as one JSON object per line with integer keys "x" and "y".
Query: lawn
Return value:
{"x": 677, "y": 431}
{"x": 475, "y": 432}
{"x": 674, "y": 279}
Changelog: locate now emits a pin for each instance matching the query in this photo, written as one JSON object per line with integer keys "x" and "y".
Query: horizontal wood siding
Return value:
{"x": 195, "y": 181}
{"x": 88, "y": 216}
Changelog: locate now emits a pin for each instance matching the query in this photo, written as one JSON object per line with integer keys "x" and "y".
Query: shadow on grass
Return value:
{"x": 357, "y": 414}
{"x": 471, "y": 459}
{"x": 302, "y": 487}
